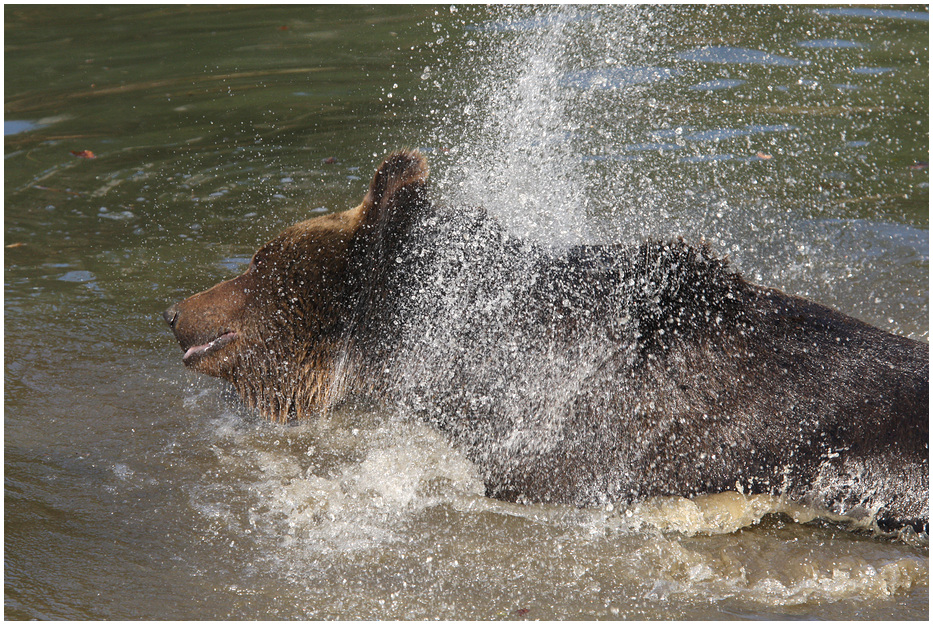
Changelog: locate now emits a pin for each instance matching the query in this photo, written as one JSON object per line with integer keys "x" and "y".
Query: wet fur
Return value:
{"x": 581, "y": 376}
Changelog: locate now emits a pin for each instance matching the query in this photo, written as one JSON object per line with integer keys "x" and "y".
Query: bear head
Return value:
{"x": 283, "y": 331}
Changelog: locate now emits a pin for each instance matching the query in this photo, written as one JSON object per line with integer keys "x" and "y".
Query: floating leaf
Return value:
{"x": 84, "y": 154}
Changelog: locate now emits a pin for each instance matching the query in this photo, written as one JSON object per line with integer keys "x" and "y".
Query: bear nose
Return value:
{"x": 170, "y": 316}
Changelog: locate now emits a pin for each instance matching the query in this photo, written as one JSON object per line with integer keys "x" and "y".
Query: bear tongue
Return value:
{"x": 201, "y": 350}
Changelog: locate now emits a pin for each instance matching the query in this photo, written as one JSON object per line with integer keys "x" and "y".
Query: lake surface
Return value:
{"x": 150, "y": 151}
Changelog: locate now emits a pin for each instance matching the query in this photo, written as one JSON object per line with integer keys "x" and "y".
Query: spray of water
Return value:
{"x": 532, "y": 120}
{"x": 507, "y": 140}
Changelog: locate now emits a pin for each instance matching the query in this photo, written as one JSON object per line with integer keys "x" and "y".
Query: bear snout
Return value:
{"x": 170, "y": 315}
{"x": 199, "y": 335}
{"x": 209, "y": 326}
{"x": 187, "y": 326}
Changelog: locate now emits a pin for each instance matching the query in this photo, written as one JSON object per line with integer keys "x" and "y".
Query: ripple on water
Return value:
{"x": 829, "y": 43}
{"x": 871, "y": 71}
{"x": 739, "y": 56}
{"x": 618, "y": 77}
{"x": 918, "y": 16}
{"x": 16, "y": 126}
{"x": 717, "y": 85}
{"x": 77, "y": 276}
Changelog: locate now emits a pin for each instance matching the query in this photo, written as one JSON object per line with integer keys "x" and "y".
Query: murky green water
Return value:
{"x": 793, "y": 139}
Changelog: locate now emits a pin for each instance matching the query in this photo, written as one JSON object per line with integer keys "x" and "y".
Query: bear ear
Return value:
{"x": 399, "y": 183}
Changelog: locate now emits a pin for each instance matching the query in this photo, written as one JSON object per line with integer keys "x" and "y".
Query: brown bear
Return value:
{"x": 584, "y": 375}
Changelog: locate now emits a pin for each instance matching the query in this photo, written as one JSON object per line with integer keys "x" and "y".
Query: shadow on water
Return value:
{"x": 149, "y": 151}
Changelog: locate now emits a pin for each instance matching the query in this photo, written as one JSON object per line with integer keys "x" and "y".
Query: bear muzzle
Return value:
{"x": 197, "y": 343}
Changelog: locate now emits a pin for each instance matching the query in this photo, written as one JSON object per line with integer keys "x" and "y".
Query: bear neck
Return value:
{"x": 304, "y": 387}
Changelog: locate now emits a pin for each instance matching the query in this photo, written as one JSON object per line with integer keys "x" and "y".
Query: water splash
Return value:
{"x": 341, "y": 499}
{"x": 510, "y": 147}
{"x": 539, "y": 121}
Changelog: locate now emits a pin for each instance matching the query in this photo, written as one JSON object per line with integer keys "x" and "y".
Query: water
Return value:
{"x": 136, "y": 490}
